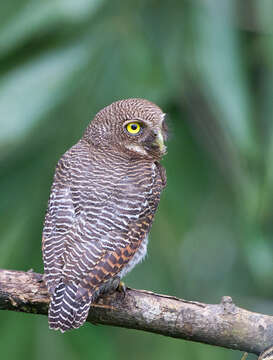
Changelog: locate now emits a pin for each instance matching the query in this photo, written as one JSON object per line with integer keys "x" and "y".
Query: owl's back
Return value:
{"x": 102, "y": 203}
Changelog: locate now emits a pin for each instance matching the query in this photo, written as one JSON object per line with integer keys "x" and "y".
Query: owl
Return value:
{"x": 103, "y": 199}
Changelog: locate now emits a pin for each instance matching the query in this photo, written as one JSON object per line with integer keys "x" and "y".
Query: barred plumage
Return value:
{"x": 105, "y": 193}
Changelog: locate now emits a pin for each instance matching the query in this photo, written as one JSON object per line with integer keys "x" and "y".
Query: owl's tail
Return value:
{"x": 67, "y": 312}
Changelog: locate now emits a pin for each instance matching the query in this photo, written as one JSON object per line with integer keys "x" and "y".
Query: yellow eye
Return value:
{"x": 133, "y": 127}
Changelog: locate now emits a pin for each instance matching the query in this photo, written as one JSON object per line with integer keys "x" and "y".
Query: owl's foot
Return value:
{"x": 122, "y": 288}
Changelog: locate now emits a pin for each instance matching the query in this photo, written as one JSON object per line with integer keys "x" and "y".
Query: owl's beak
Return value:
{"x": 159, "y": 141}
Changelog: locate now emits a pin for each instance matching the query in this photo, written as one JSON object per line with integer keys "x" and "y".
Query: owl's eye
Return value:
{"x": 133, "y": 128}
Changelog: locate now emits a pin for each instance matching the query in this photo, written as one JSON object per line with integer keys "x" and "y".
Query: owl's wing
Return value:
{"x": 92, "y": 267}
{"x": 59, "y": 221}
{"x": 81, "y": 284}
{"x": 96, "y": 263}
{"x": 102, "y": 247}
{"x": 91, "y": 234}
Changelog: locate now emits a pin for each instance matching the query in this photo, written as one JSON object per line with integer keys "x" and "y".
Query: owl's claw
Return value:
{"x": 122, "y": 288}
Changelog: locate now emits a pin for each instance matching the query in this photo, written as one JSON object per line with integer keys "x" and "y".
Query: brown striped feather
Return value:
{"x": 101, "y": 207}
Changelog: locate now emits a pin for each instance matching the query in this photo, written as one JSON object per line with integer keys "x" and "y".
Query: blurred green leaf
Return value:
{"x": 224, "y": 73}
{"x": 37, "y": 18}
{"x": 62, "y": 61}
{"x": 31, "y": 91}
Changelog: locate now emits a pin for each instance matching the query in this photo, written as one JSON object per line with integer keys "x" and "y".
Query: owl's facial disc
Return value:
{"x": 145, "y": 140}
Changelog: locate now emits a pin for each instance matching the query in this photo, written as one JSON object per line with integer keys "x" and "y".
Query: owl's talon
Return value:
{"x": 122, "y": 288}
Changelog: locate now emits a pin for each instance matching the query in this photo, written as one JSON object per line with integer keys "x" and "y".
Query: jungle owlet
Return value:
{"x": 105, "y": 193}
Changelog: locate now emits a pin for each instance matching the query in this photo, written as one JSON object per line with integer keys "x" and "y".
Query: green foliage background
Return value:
{"x": 209, "y": 65}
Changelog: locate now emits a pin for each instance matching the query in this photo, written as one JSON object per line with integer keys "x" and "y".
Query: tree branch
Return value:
{"x": 222, "y": 324}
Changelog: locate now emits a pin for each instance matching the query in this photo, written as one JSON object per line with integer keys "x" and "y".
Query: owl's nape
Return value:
{"x": 103, "y": 199}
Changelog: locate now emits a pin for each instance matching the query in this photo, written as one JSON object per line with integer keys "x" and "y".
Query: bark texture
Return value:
{"x": 222, "y": 324}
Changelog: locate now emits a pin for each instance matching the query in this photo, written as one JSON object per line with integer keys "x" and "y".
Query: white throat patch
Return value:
{"x": 136, "y": 148}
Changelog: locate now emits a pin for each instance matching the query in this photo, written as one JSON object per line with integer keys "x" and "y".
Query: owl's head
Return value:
{"x": 135, "y": 126}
